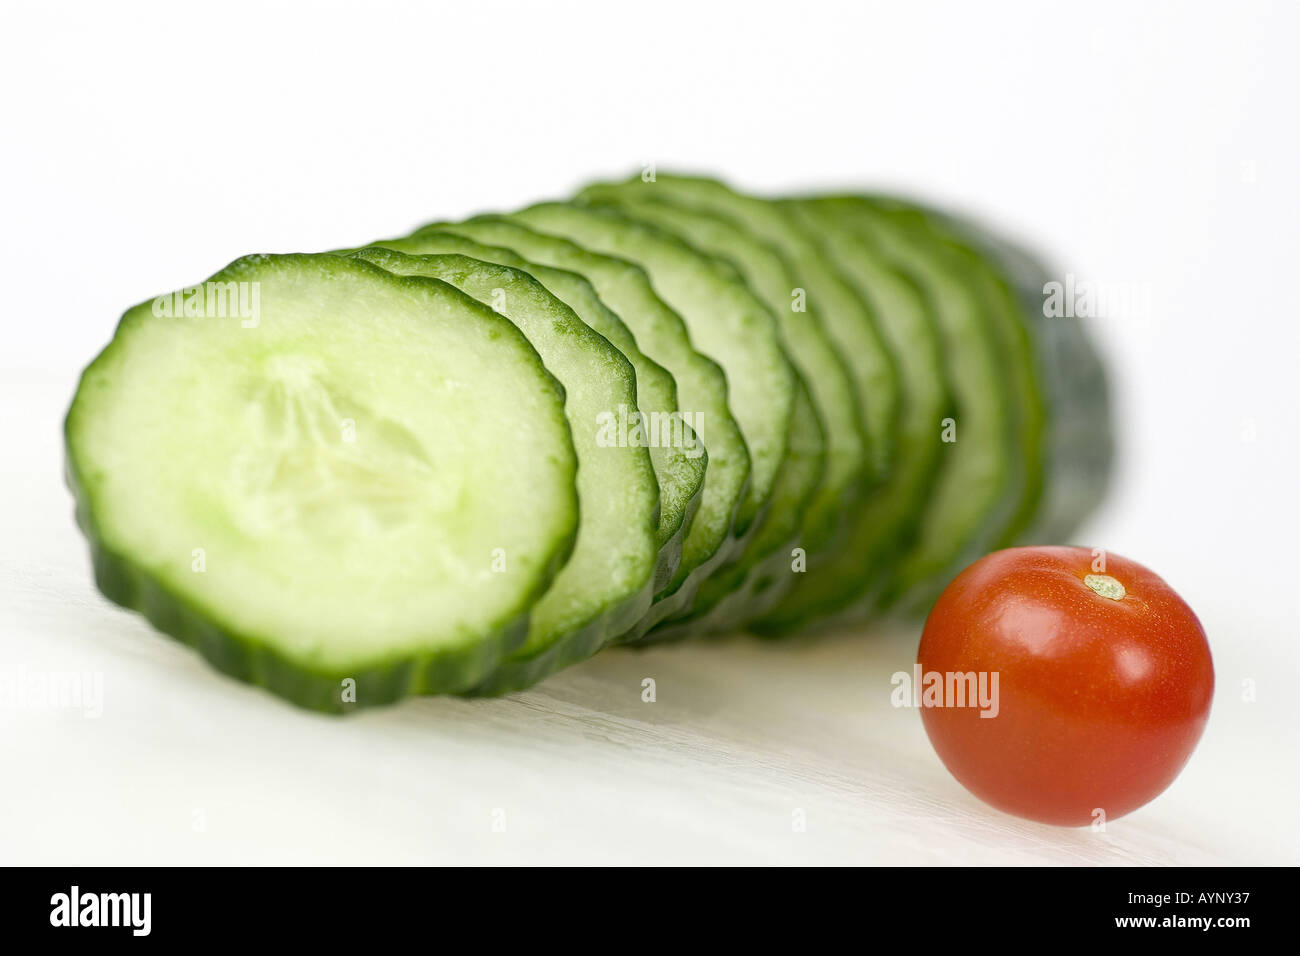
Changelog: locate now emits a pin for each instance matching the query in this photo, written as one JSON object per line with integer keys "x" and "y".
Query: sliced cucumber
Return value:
{"x": 978, "y": 487}
{"x": 824, "y": 502}
{"x": 678, "y": 456}
{"x": 725, "y": 321}
{"x": 887, "y": 523}
{"x": 1011, "y": 336}
{"x": 701, "y": 389}
{"x": 850, "y": 327}
{"x": 607, "y": 585}
{"x": 318, "y": 497}
{"x": 1079, "y": 416}
{"x": 848, "y": 324}
{"x": 737, "y": 592}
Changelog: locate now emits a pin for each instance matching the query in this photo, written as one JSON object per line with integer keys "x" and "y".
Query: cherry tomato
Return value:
{"x": 1103, "y": 683}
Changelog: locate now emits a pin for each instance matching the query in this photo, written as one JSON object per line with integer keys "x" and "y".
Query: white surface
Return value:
{"x": 146, "y": 148}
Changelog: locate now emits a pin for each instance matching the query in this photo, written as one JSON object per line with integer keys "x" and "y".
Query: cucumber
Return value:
{"x": 701, "y": 388}
{"x": 1011, "y": 336}
{"x": 382, "y": 486}
{"x": 738, "y": 591}
{"x": 608, "y": 583}
{"x": 314, "y": 499}
{"x": 725, "y": 322}
{"x": 816, "y": 506}
{"x": 848, "y": 325}
{"x": 977, "y": 488}
{"x": 679, "y": 461}
{"x": 838, "y": 306}
{"x": 887, "y": 523}
{"x": 1079, "y": 407}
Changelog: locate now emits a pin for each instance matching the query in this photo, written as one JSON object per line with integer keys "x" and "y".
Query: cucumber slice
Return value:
{"x": 887, "y": 522}
{"x": 1022, "y": 375}
{"x": 680, "y": 461}
{"x": 1010, "y": 335}
{"x": 607, "y": 585}
{"x": 1074, "y": 387}
{"x": 321, "y": 497}
{"x": 725, "y": 320}
{"x": 849, "y": 325}
{"x": 824, "y": 498}
{"x": 978, "y": 488}
{"x": 701, "y": 387}
{"x": 851, "y": 328}
{"x": 737, "y": 592}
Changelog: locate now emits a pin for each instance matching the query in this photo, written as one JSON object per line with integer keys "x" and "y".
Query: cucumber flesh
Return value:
{"x": 607, "y": 584}
{"x": 315, "y": 501}
{"x": 701, "y": 389}
{"x": 679, "y": 463}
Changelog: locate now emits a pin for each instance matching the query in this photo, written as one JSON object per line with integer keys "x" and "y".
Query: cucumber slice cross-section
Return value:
{"x": 353, "y": 493}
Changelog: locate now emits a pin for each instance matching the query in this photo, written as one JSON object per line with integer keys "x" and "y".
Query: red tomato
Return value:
{"x": 1103, "y": 685}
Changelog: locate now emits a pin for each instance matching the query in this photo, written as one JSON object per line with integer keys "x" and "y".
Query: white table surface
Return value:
{"x": 186, "y": 766}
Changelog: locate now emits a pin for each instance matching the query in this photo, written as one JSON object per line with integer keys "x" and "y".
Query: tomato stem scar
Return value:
{"x": 1106, "y": 586}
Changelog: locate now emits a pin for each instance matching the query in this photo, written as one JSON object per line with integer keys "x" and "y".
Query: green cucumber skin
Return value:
{"x": 253, "y": 659}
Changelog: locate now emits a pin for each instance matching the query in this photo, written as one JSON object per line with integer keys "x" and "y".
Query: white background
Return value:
{"x": 143, "y": 146}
